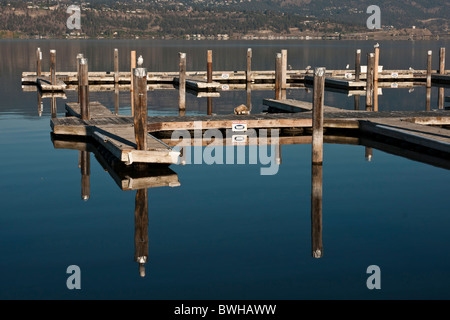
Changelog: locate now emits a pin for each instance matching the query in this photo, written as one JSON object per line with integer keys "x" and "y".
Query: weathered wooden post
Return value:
{"x": 376, "y": 63}
{"x": 369, "y": 81}
{"x": 140, "y": 107}
{"x": 429, "y": 68}
{"x": 283, "y": 69}
{"x": 85, "y": 164}
{"x": 278, "y": 64}
{"x": 84, "y": 89}
{"x": 316, "y": 210}
{"x": 357, "y": 64}
{"x": 248, "y": 73}
{"x": 249, "y": 96}
{"x": 209, "y": 106}
{"x": 133, "y": 65}
{"x": 182, "y": 82}
{"x": 116, "y": 65}
{"x": 428, "y": 100}
{"x": 141, "y": 229}
{"x": 38, "y": 62}
{"x": 40, "y": 105}
{"x": 53, "y": 67}
{"x": 441, "y": 71}
{"x": 442, "y": 61}
{"x": 441, "y": 98}
{"x": 317, "y": 115}
{"x": 375, "y": 96}
{"x": 53, "y": 108}
{"x": 116, "y": 98}
{"x": 79, "y": 57}
{"x": 209, "y": 67}
{"x": 356, "y": 99}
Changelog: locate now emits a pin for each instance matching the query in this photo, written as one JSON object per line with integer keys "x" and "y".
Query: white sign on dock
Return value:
{"x": 225, "y": 75}
{"x": 240, "y": 138}
{"x": 239, "y": 126}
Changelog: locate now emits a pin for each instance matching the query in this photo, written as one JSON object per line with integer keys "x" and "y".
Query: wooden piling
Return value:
{"x": 116, "y": 65}
{"x": 38, "y": 62}
{"x": 53, "y": 109}
{"x": 429, "y": 68}
{"x": 53, "y": 67}
{"x": 283, "y": 68}
{"x": 116, "y": 98}
{"x": 40, "y": 106}
{"x": 249, "y": 96}
{"x": 79, "y": 57}
{"x": 133, "y": 65}
{"x": 369, "y": 83}
{"x": 182, "y": 82}
{"x": 278, "y": 63}
{"x": 428, "y": 100}
{"x": 85, "y": 164}
{"x": 141, "y": 229}
{"x": 356, "y": 99}
{"x": 316, "y": 210}
{"x": 209, "y": 106}
{"x": 84, "y": 89}
{"x": 248, "y": 73}
{"x": 140, "y": 107}
{"x": 376, "y": 63}
{"x": 209, "y": 67}
{"x": 441, "y": 98}
{"x": 375, "y": 96}
{"x": 317, "y": 115}
{"x": 442, "y": 61}
{"x": 357, "y": 64}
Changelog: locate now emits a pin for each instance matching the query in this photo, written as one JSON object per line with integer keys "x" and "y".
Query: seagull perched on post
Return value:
{"x": 140, "y": 61}
{"x": 376, "y": 45}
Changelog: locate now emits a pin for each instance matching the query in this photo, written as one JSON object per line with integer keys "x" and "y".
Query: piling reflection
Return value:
{"x": 316, "y": 210}
{"x": 141, "y": 230}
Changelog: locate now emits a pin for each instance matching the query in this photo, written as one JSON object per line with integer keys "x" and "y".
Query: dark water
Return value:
{"x": 226, "y": 232}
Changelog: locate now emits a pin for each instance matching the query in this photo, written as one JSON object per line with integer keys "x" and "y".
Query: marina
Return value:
{"x": 272, "y": 181}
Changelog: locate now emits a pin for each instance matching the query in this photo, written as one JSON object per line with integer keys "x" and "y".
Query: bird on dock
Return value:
{"x": 290, "y": 67}
{"x": 410, "y": 90}
{"x": 411, "y": 69}
{"x": 377, "y": 45}
{"x": 140, "y": 61}
{"x": 347, "y": 66}
{"x": 308, "y": 68}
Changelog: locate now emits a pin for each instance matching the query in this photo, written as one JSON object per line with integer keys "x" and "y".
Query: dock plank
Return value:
{"x": 427, "y": 136}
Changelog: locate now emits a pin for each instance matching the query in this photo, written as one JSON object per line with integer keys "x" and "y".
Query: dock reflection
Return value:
{"x": 139, "y": 177}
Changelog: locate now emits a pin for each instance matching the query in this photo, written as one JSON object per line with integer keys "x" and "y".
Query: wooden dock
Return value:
{"x": 115, "y": 133}
{"x": 226, "y": 77}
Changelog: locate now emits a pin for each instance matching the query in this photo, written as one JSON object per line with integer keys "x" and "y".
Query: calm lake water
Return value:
{"x": 226, "y": 232}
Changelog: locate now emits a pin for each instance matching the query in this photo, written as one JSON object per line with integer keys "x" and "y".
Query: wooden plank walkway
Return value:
{"x": 427, "y": 136}
{"x": 198, "y": 83}
{"x": 258, "y": 76}
{"x": 114, "y": 133}
{"x": 291, "y": 105}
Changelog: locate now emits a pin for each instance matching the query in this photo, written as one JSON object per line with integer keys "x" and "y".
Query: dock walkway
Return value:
{"x": 115, "y": 133}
